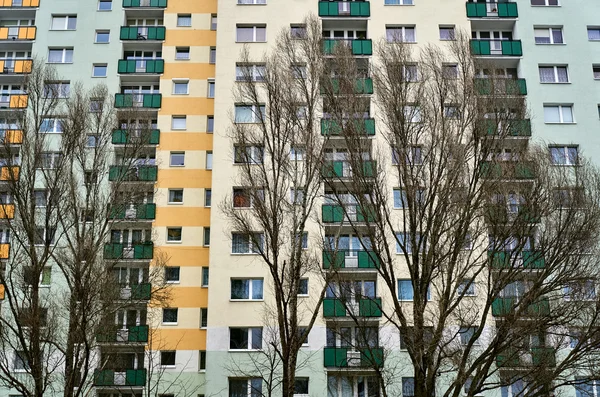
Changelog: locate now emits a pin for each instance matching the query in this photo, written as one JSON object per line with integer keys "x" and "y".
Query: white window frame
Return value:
{"x": 399, "y": 3}
{"x": 555, "y": 69}
{"x": 451, "y": 30}
{"x": 550, "y": 35}
{"x": 101, "y": 31}
{"x": 211, "y": 87}
{"x": 565, "y": 154}
{"x": 593, "y": 28}
{"x": 254, "y": 154}
{"x": 168, "y": 365}
{"x": 64, "y": 56}
{"x": 250, "y": 338}
{"x": 254, "y": 113}
{"x": 251, "y": 2}
{"x": 56, "y": 125}
{"x": 184, "y": 20}
{"x": 251, "y": 288}
{"x": 560, "y": 114}
{"x": 169, "y": 322}
{"x": 397, "y": 34}
{"x": 99, "y": 65}
{"x": 468, "y": 286}
{"x": 175, "y": 120}
{"x": 180, "y": 235}
{"x": 175, "y": 202}
{"x": 255, "y": 29}
{"x": 178, "y": 276}
{"x": 181, "y": 82}
{"x": 252, "y": 248}
{"x": 177, "y": 153}
{"x": 182, "y": 53}
{"x": 546, "y": 4}
{"x": 65, "y": 25}
{"x": 104, "y": 2}
{"x": 250, "y": 72}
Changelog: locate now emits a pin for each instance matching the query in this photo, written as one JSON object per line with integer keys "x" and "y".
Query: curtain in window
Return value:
{"x": 408, "y": 387}
{"x": 261, "y": 34}
{"x": 257, "y": 289}
{"x": 541, "y": 36}
{"x": 594, "y": 34}
{"x": 547, "y": 74}
{"x": 563, "y": 77}
{"x": 240, "y": 289}
{"x": 240, "y": 244}
{"x": 180, "y": 88}
{"x": 55, "y": 56}
{"x": 557, "y": 36}
{"x": 245, "y": 35}
{"x": 184, "y": 20}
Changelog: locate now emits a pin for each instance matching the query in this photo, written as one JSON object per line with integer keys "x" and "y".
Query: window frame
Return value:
{"x": 255, "y": 29}
{"x": 173, "y": 269}
{"x": 169, "y": 352}
{"x": 168, "y": 241}
{"x": 254, "y": 109}
{"x": 184, "y": 18}
{"x": 176, "y": 155}
{"x": 401, "y": 37}
{"x": 180, "y": 119}
{"x": 180, "y": 51}
{"x": 104, "y": 2}
{"x": 173, "y": 190}
{"x": 252, "y": 249}
{"x": 250, "y": 287}
{"x": 560, "y": 108}
{"x": 555, "y": 69}
{"x": 98, "y": 66}
{"x": 66, "y": 17}
{"x": 178, "y": 83}
{"x": 171, "y": 310}
{"x": 550, "y": 35}
{"x": 65, "y": 52}
{"x": 566, "y": 155}
{"x": 250, "y": 340}
{"x": 102, "y": 32}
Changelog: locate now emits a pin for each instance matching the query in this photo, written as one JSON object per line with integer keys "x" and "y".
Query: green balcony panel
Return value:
{"x": 330, "y": 127}
{"x": 333, "y": 308}
{"x": 127, "y": 66}
{"x": 368, "y": 260}
{"x": 143, "y": 250}
{"x": 333, "y": 259}
{"x": 533, "y": 260}
{"x": 520, "y": 128}
{"x": 123, "y": 137}
{"x": 332, "y": 213}
{"x": 141, "y": 291}
{"x": 370, "y": 126}
{"x": 483, "y": 86}
{"x": 512, "y": 48}
{"x": 107, "y": 334}
{"x": 496, "y": 213}
{"x": 476, "y": 10}
{"x": 366, "y": 213}
{"x": 142, "y": 33}
{"x": 145, "y": 211}
{"x": 150, "y": 101}
{"x": 369, "y": 168}
{"x": 524, "y": 171}
{"x": 508, "y": 10}
{"x": 497, "y": 10}
{"x": 480, "y": 47}
{"x": 135, "y": 377}
{"x": 364, "y": 86}
{"x": 489, "y": 170}
{"x": 104, "y": 377}
{"x": 113, "y": 251}
{"x": 499, "y": 260}
{"x": 508, "y": 48}
{"x": 509, "y": 358}
{"x": 371, "y": 357}
{"x": 358, "y": 46}
{"x": 148, "y": 173}
{"x": 369, "y": 307}
{"x": 503, "y": 306}
{"x": 362, "y": 126}
{"x": 539, "y": 309}
{"x": 144, "y": 3}
{"x": 138, "y": 333}
{"x": 123, "y": 100}
{"x": 543, "y": 356}
{"x": 335, "y": 357}
{"x": 116, "y": 212}
{"x": 333, "y": 169}
{"x": 341, "y": 9}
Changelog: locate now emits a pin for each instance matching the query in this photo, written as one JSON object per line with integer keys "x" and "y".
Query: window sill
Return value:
{"x": 98, "y": 77}
{"x": 174, "y": 242}
{"x": 182, "y": 59}
{"x": 246, "y": 300}
{"x": 302, "y": 295}
{"x": 103, "y": 42}
{"x": 250, "y": 42}
{"x": 245, "y": 253}
{"x": 176, "y": 166}
{"x": 550, "y": 43}
{"x": 169, "y": 324}
{"x": 201, "y": 371}
{"x": 244, "y": 350}
{"x": 178, "y": 129}
{"x": 558, "y": 123}
{"x": 172, "y": 282}
{"x": 168, "y": 366}
{"x": 175, "y": 203}
{"x": 555, "y": 82}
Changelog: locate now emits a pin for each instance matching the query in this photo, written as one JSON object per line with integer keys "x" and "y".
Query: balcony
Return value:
{"x": 143, "y": 33}
{"x": 19, "y": 3}
{"x": 536, "y": 356}
{"x": 9, "y": 173}
{"x": 150, "y": 101}
{"x": 501, "y": 86}
{"x": 348, "y": 213}
{"x": 4, "y": 250}
{"x": 125, "y": 377}
{"x": 357, "y": 46}
{"x": 141, "y": 66}
{"x": 144, "y": 3}
{"x": 509, "y": 48}
{"x": 363, "y": 307}
{"x": 7, "y": 211}
{"x": 140, "y": 211}
{"x": 361, "y": 86}
{"x": 133, "y": 334}
{"x": 529, "y": 260}
{"x": 331, "y": 127}
{"x": 11, "y": 137}
{"x": 358, "y": 9}
{"x": 511, "y": 128}
{"x": 15, "y": 66}
{"x": 492, "y": 10}
{"x": 126, "y": 137}
{"x": 13, "y": 101}
{"x": 142, "y": 250}
{"x": 141, "y": 173}
{"x": 506, "y": 306}
{"x": 344, "y": 357}
{"x": 342, "y": 169}
{"x": 501, "y": 214}
{"x": 350, "y": 259}
{"x": 506, "y": 170}
{"x": 17, "y": 33}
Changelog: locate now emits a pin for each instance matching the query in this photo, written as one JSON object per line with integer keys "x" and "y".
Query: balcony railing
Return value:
{"x": 19, "y": 3}
{"x": 125, "y": 377}
{"x": 501, "y": 86}
{"x": 507, "y": 170}
{"x": 536, "y": 356}
{"x": 152, "y": 101}
{"x": 12, "y": 137}
{"x": 360, "y": 86}
{"x": 350, "y": 259}
{"x": 144, "y": 3}
{"x": 524, "y": 260}
{"x": 143, "y": 250}
{"x": 492, "y": 10}
{"x": 342, "y": 169}
{"x": 363, "y": 307}
{"x": 332, "y": 213}
{"x": 331, "y": 127}
{"x": 506, "y": 306}
{"x": 142, "y": 211}
{"x": 124, "y": 137}
{"x": 133, "y": 334}
{"x": 343, "y": 357}
{"x": 509, "y": 128}
{"x": 344, "y": 9}
{"x": 14, "y": 33}
{"x": 511, "y": 48}
{"x": 357, "y": 46}
{"x": 15, "y": 66}
{"x": 146, "y": 66}
{"x": 13, "y": 101}
{"x": 9, "y": 173}
{"x": 141, "y": 173}
{"x": 143, "y": 33}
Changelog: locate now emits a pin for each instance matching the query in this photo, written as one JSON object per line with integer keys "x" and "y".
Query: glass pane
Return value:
{"x": 257, "y": 289}
{"x": 551, "y": 114}
{"x": 567, "y": 114}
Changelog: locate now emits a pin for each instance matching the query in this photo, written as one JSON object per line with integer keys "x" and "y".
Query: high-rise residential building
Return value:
{"x": 160, "y": 58}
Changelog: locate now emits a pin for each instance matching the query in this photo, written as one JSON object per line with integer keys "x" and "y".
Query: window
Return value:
{"x": 204, "y": 277}
{"x": 182, "y": 53}
{"x": 398, "y": 2}
{"x": 596, "y": 71}
{"x": 450, "y": 71}
{"x": 412, "y": 156}
{"x": 40, "y": 197}
{"x": 99, "y": 70}
{"x": 466, "y": 288}
{"x": 96, "y": 105}
{"x": 50, "y": 160}
{"x": 245, "y": 338}
{"x": 544, "y": 2}
{"x": 299, "y": 71}
{"x": 201, "y": 360}
{"x": 412, "y": 113}
{"x": 172, "y": 274}
{"x": 466, "y": 334}
{"x": 207, "y": 197}
{"x": 593, "y": 33}
{"x": 298, "y": 31}
{"x": 249, "y": 113}
{"x": 203, "y": 317}
{"x": 167, "y": 358}
{"x": 173, "y": 234}
{"x": 583, "y": 290}
{"x": 104, "y": 5}
{"x": 587, "y": 388}
{"x": 251, "y": 72}
{"x": 102, "y": 36}
{"x": 210, "y": 124}
{"x": 21, "y": 363}
{"x": 180, "y": 87}
{"x": 302, "y": 239}
{"x": 51, "y": 125}
{"x": 184, "y": 20}
{"x": 301, "y": 386}
{"x": 404, "y": 243}
{"x": 178, "y": 123}
{"x": 209, "y": 160}
{"x": 408, "y": 387}
{"x": 211, "y": 89}
{"x": 564, "y": 155}
{"x": 206, "y": 236}
{"x": 297, "y": 153}
{"x": 451, "y": 112}
{"x": 64, "y": 22}
{"x": 251, "y": 34}
{"x": 447, "y": 33}
{"x": 60, "y": 55}
{"x": 401, "y": 198}
{"x": 245, "y": 387}
{"x": 405, "y": 290}
{"x": 56, "y": 89}
{"x": 558, "y": 114}
{"x": 548, "y": 35}
{"x": 553, "y": 74}
{"x": 247, "y": 289}
{"x": 245, "y": 197}
{"x": 247, "y": 243}
{"x": 212, "y": 55}
{"x": 248, "y": 154}
{"x": 169, "y": 316}
{"x": 303, "y": 287}
{"x": 175, "y": 196}
{"x": 177, "y": 159}
{"x": 404, "y": 34}
{"x": 213, "y": 22}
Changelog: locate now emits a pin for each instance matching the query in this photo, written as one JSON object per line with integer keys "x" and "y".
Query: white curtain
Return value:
{"x": 547, "y": 74}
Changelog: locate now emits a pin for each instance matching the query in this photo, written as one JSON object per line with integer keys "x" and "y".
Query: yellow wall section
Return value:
{"x": 187, "y": 178}
{"x": 187, "y": 105}
{"x": 182, "y": 216}
{"x": 190, "y": 297}
{"x": 192, "y": 7}
{"x": 201, "y": 71}
{"x": 190, "y": 37}
{"x": 187, "y": 140}
{"x": 178, "y": 339}
{"x": 181, "y": 255}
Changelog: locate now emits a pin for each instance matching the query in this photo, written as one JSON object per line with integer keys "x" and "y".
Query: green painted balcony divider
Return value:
{"x": 127, "y": 66}
{"x": 369, "y": 307}
{"x": 333, "y": 259}
{"x": 506, "y": 306}
{"x": 533, "y": 260}
{"x": 123, "y": 137}
{"x": 366, "y": 214}
{"x": 502, "y": 259}
{"x": 135, "y": 377}
{"x": 371, "y": 357}
{"x": 152, "y": 101}
{"x": 333, "y": 307}
{"x": 367, "y": 260}
{"x": 503, "y": 10}
{"x": 335, "y": 213}
{"x": 508, "y": 48}
{"x": 141, "y": 291}
{"x": 104, "y": 377}
{"x": 333, "y": 169}
{"x": 145, "y": 173}
{"x": 331, "y": 127}
{"x": 357, "y": 46}
{"x": 509, "y": 170}
{"x": 113, "y": 251}
{"x": 543, "y": 356}
{"x": 142, "y": 211}
{"x": 142, "y": 33}
{"x": 332, "y": 213}
{"x": 335, "y": 356}
{"x": 508, "y": 358}
{"x": 144, "y": 3}
{"x": 485, "y": 86}
{"x": 337, "y": 260}
{"x": 138, "y": 333}
{"x": 517, "y": 128}
{"x": 140, "y": 250}
{"x": 341, "y": 9}
{"x": 338, "y": 357}
{"x": 540, "y": 308}
{"x": 361, "y": 86}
